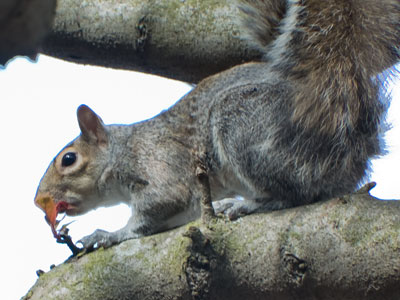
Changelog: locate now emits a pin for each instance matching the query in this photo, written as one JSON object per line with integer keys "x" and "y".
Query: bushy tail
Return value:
{"x": 332, "y": 51}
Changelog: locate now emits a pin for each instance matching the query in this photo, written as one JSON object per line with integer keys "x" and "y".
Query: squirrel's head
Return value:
{"x": 70, "y": 182}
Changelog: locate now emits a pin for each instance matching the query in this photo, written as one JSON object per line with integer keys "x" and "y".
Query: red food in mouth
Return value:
{"x": 52, "y": 209}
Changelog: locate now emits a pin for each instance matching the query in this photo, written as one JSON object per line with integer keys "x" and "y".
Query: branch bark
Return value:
{"x": 345, "y": 248}
{"x": 185, "y": 40}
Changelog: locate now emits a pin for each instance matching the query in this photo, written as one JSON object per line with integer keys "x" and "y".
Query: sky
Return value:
{"x": 38, "y": 117}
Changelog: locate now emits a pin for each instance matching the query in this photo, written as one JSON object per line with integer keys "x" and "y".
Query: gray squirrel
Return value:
{"x": 299, "y": 127}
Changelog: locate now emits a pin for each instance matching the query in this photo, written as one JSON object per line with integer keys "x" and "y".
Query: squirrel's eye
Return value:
{"x": 68, "y": 159}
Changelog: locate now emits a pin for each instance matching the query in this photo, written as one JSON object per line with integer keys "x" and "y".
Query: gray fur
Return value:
{"x": 298, "y": 128}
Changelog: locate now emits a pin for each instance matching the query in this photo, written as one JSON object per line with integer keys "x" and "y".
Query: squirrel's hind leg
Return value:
{"x": 235, "y": 208}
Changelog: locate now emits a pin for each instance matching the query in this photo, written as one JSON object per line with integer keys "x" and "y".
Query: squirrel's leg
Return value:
{"x": 139, "y": 225}
{"x": 101, "y": 238}
{"x": 234, "y": 208}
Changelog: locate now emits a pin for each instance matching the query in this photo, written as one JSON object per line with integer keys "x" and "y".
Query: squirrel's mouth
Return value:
{"x": 52, "y": 209}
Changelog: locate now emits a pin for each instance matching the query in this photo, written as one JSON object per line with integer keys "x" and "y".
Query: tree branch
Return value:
{"x": 345, "y": 248}
{"x": 23, "y": 26}
{"x": 185, "y": 40}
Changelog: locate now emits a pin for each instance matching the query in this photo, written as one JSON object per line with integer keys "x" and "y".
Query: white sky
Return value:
{"x": 38, "y": 117}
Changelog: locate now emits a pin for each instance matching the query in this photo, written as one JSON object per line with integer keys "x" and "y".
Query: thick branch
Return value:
{"x": 185, "y": 40}
{"x": 346, "y": 248}
{"x": 23, "y": 25}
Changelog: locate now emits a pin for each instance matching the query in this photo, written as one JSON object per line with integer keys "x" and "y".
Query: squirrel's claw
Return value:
{"x": 99, "y": 238}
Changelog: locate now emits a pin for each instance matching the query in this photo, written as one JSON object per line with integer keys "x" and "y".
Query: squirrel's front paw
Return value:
{"x": 99, "y": 238}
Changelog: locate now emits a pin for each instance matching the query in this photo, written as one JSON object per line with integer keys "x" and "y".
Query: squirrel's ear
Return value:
{"x": 92, "y": 127}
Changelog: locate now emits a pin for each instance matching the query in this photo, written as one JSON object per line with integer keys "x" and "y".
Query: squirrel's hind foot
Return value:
{"x": 235, "y": 208}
